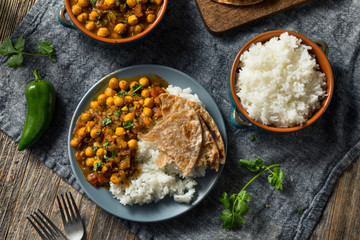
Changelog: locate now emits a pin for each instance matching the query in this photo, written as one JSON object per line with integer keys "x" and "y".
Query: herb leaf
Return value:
{"x": 275, "y": 178}
{"x": 117, "y": 113}
{"x": 106, "y": 144}
{"x": 128, "y": 124}
{"x": 121, "y": 93}
{"x": 106, "y": 121}
{"x": 253, "y": 165}
{"x": 112, "y": 155}
{"x": 95, "y": 148}
{"x": 93, "y": 2}
{"x": 6, "y": 47}
{"x": 97, "y": 166}
{"x": 252, "y": 138}
{"x": 45, "y": 47}
{"x": 15, "y": 60}
{"x": 20, "y": 44}
{"x": 136, "y": 87}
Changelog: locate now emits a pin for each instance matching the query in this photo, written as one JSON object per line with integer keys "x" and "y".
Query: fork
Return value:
{"x": 47, "y": 228}
{"x": 73, "y": 225}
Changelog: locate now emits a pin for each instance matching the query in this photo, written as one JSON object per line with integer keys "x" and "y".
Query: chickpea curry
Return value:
{"x": 105, "y": 136}
{"x": 116, "y": 18}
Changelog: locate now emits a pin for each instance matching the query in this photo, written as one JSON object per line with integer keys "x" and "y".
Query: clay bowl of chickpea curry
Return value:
{"x": 104, "y": 137}
{"x": 120, "y": 23}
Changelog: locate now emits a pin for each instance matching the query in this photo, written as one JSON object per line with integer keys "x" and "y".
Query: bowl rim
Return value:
{"x": 120, "y": 40}
{"x": 318, "y": 53}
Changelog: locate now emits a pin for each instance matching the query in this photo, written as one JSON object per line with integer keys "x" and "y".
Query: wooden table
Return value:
{"x": 26, "y": 184}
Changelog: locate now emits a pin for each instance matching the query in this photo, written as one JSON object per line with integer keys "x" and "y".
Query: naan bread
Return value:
{"x": 171, "y": 103}
{"x": 238, "y": 2}
{"x": 179, "y": 135}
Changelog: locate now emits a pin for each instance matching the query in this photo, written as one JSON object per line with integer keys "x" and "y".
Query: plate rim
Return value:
{"x": 74, "y": 165}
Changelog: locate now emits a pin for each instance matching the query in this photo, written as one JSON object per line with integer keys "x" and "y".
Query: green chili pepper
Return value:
{"x": 40, "y": 98}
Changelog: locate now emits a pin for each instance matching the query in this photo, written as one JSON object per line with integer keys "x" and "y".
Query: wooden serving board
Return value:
{"x": 219, "y": 18}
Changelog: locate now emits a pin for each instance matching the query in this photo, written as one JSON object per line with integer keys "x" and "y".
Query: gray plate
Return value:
{"x": 166, "y": 208}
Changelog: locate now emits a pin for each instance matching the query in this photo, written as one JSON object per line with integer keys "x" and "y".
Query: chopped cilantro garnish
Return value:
{"x": 97, "y": 166}
{"x": 124, "y": 6}
{"x": 128, "y": 124}
{"x": 121, "y": 93}
{"x": 124, "y": 21}
{"x": 106, "y": 121}
{"x": 112, "y": 155}
{"x": 95, "y": 148}
{"x": 252, "y": 138}
{"x": 136, "y": 87}
{"x": 206, "y": 156}
{"x": 106, "y": 144}
{"x": 117, "y": 113}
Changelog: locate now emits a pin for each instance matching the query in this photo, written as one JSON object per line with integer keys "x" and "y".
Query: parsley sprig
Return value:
{"x": 235, "y": 204}
{"x": 17, "y": 51}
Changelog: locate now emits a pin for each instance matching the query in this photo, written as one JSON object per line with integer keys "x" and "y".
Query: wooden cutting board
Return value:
{"x": 219, "y": 18}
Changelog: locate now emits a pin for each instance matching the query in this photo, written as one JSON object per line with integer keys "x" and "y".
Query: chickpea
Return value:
{"x": 100, "y": 153}
{"x": 129, "y": 99}
{"x": 141, "y": 101}
{"x": 133, "y": 84}
{"x": 124, "y": 85}
{"x": 123, "y": 144}
{"x": 144, "y": 81}
{"x": 138, "y": 29}
{"x": 102, "y": 98}
{"x": 150, "y": 18}
{"x": 110, "y": 92}
{"x": 85, "y": 116}
{"x": 82, "y": 17}
{"x": 103, "y": 32}
{"x": 120, "y": 131}
{"x": 118, "y": 101}
{"x": 109, "y": 3}
{"x": 96, "y": 161}
{"x": 145, "y": 93}
{"x": 148, "y": 112}
{"x": 82, "y": 132}
{"x": 89, "y": 152}
{"x": 115, "y": 178}
{"x": 97, "y": 144}
{"x": 149, "y": 102}
{"x": 114, "y": 35}
{"x": 94, "y": 133}
{"x": 147, "y": 122}
{"x": 110, "y": 101}
{"x": 132, "y": 20}
{"x": 94, "y": 16}
{"x": 132, "y": 144}
{"x": 94, "y": 104}
{"x": 120, "y": 28}
{"x": 90, "y": 162}
{"x": 129, "y": 117}
{"x": 131, "y": 3}
{"x": 74, "y": 142}
{"x": 90, "y": 124}
{"x": 114, "y": 83}
{"x": 76, "y": 10}
{"x": 83, "y": 3}
{"x": 90, "y": 25}
{"x": 158, "y": 2}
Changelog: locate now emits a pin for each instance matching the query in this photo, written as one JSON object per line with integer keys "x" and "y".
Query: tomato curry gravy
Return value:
{"x": 105, "y": 136}
{"x": 116, "y": 18}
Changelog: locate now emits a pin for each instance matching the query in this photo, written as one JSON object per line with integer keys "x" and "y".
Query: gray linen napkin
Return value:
{"x": 312, "y": 159}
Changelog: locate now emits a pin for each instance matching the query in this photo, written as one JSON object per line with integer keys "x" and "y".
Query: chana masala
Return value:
{"x": 105, "y": 136}
{"x": 116, "y": 18}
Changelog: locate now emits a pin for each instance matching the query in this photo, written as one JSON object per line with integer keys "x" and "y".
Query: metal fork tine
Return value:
{"x": 57, "y": 231}
{"x": 61, "y": 211}
{"x": 51, "y": 231}
{"x": 74, "y": 204}
{"x": 71, "y": 207}
{"x": 66, "y": 209}
{"x": 37, "y": 229}
{"x": 42, "y": 227}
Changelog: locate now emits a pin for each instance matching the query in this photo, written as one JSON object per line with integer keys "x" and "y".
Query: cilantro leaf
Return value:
{"x": 106, "y": 121}
{"x": 97, "y": 166}
{"x": 106, "y": 144}
{"x": 121, "y": 93}
{"x": 252, "y": 138}
{"x": 45, "y": 47}
{"x": 7, "y": 47}
{"x": 15, "y": 60}
{"x": 128, "y": 124}
{"x": 117, "y": 113}
{"x": 136, "y": 87}
{"x": 225, "y": 200}
{"x": 95, "y": 148}
{"x": 253, "y": 165}
{"x": 93, "y": 2}
{"x": 20, "y": 44}
{"x": 112, "y": 155}
{"x": 275, "y": 178}
{"x": 300, "y": 211}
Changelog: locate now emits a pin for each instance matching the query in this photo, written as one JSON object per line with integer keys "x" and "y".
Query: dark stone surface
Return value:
{"x": 312, "y": 159}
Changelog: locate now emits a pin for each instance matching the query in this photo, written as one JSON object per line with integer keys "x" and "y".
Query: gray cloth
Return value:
{"x": 312, "y": 159}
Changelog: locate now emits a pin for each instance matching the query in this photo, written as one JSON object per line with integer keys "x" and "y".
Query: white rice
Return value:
{"x": 279, "y": 82}
{"x": 154, "y": 183}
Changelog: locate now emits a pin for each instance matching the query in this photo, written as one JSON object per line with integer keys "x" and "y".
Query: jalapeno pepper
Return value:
{"x": 40, "y": 98}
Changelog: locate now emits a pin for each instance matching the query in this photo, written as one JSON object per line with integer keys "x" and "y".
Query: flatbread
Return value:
{"x": 179, "y": 135}
{"x": 171, "y": 103}
{"x": 239, "y": 2}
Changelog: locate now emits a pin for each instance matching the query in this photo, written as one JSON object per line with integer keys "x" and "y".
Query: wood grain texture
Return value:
{"x": 26, "y": 184}
{"x": 219, "y": 18}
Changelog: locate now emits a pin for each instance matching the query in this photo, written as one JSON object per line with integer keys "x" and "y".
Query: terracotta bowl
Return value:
{"x": 241, "y": 119}
{"x": 73, "y": 23}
